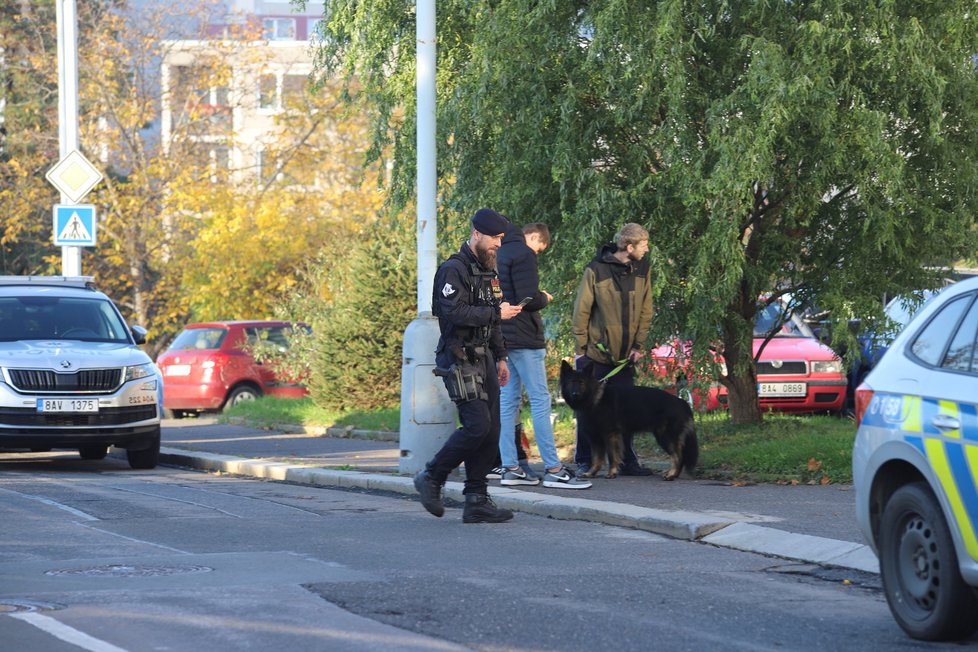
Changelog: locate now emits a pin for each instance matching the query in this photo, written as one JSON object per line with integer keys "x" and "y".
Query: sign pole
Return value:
{"x": 67, "y": 25}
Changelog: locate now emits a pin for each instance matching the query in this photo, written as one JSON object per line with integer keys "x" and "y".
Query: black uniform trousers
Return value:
{"x": 476, "y": 441}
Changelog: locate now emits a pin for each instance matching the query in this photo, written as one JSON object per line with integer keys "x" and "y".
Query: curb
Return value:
{"x": 686, "y": 525}
{"x": 346, "y": 432}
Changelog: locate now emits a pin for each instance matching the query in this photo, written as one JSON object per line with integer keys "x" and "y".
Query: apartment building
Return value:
{"x": 223, "y": 96}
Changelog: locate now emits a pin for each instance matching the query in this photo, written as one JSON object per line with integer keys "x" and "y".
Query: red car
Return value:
{"x": 795, "y": 372}
{"x": 206, "y": 369}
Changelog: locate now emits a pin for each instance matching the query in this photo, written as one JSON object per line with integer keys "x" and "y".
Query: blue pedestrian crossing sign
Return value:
{"x": 74, "y": 225}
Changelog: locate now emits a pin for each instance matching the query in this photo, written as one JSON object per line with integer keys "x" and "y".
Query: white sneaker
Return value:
{"x": 563, "y": 479}
{"x": 517, "y": 476}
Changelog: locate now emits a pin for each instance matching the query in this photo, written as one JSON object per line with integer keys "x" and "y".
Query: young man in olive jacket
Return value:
{"x": 516, "y": 260}
{"x": 612, "y": 316}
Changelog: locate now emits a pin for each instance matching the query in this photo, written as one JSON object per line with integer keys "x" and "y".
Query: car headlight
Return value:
{"x": 827, "y": 366}
{"x": 140, "y": 371}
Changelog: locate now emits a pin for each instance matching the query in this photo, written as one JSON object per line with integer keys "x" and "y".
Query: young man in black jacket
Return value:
{"x": 527, "y": 348}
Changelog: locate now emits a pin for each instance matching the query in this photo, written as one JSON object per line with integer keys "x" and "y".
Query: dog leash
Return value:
{"x": 621, "y": 363}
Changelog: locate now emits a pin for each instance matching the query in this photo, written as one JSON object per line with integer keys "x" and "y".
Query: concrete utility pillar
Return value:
{"x": 427, "y": 415}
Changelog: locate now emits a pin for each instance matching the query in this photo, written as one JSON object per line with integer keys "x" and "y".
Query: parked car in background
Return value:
{"x": 874, "y": 342}
{"x": 72, "y": 374}
{"x": 208, "y": 366}
{"x": 915, "y": 467}
{"x": 795, "y": 372}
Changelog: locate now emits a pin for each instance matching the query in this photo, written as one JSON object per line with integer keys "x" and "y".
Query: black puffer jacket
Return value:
{"x": 517, "y": 265}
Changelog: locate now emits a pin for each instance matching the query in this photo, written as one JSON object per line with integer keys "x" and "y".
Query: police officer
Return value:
{"x": 471, "y": 357}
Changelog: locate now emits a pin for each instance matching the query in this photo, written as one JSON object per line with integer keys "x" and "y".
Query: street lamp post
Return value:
{"x": 427, "y": 416}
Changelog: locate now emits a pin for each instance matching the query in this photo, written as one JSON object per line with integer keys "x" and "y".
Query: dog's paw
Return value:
{"x": 670, "y": 475}
{"x": 612, "y": 475}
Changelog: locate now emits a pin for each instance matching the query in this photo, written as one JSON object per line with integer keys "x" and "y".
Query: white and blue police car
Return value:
{"x": 915, "y": 467}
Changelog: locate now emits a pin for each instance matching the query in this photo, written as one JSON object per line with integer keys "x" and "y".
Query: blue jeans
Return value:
{"x": 527, "y": 368}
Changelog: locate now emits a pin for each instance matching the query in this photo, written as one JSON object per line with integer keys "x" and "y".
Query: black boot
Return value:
{"x": 430, "y": 493}
{"x": 480, "y": 509}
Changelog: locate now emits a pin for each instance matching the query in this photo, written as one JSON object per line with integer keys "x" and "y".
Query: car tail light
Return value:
{"x": 864, "y": 395}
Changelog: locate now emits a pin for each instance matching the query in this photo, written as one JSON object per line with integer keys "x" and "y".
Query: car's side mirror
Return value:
{"x": 138, "y": 334}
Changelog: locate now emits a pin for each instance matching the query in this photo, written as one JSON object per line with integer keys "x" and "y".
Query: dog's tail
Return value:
{"x": 691, "y": 447}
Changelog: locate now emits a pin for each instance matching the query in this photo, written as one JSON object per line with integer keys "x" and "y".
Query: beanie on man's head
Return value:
{"x": 488, "y": 222}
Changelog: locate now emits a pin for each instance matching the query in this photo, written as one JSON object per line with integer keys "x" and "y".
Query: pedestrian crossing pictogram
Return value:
{"x": 74, "y": 225}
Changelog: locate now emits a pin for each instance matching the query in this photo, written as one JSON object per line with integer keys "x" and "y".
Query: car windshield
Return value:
{"x": 202, "y": 339}
{"x": 88, "y": 319}
{"x": 768, "y": 316}
{"x": 901, "y": 309}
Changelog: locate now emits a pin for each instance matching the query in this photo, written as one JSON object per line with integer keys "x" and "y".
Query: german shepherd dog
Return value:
{"x": 610, "y": 412}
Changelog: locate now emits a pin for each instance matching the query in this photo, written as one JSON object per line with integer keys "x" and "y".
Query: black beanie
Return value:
{"x": 488, "y": 222}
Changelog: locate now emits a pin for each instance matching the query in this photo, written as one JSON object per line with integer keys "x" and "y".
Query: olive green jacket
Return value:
{"x": 613, "y": 309}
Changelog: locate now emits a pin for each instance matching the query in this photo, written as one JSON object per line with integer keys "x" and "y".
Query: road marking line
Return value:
{"x": 48, "y": 501}
{"x": 68, "y": 634}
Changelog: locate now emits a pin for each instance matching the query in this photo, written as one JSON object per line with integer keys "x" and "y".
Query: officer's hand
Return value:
{"x": 508, "y": 311}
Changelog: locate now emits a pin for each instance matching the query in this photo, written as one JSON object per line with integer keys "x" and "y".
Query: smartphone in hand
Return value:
{"x": 525, "y": 301}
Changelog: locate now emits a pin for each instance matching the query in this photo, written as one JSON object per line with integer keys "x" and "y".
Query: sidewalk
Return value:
{"x": 811, "y": 524}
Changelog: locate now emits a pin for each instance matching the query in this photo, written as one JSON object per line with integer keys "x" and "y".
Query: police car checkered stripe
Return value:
{"x": 951, "y": 453}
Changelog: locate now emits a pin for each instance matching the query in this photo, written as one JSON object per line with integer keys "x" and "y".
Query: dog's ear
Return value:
{"x": 565, "y": 368}
{"x": 587, "y": 367}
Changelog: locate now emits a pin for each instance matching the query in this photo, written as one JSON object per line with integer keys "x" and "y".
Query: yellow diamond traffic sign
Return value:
{"x": 74, "y": 176}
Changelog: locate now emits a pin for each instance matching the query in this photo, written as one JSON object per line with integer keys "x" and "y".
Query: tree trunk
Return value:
{"x": 742, "y": 398}
{"x": 738, "y": 354}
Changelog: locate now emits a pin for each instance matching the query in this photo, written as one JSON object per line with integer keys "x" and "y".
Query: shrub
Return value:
{"x": 358, "y": 304}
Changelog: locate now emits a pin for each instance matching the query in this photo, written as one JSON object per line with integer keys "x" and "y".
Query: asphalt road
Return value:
{"x": 176, "y": 560}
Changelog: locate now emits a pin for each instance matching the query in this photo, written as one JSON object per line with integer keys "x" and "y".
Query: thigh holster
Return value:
{"x": 464, "y": 382}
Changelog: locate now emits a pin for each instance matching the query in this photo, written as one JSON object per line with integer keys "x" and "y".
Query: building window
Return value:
{"x": 313, "y": 30}
{"x": 268, "y": 91}
{"x": 294, "y": 91}
{"x": 279, "y": 29}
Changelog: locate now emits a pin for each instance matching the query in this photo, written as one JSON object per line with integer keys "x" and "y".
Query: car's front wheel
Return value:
{"x": 145, "y": 458}
{"x": 924, "y": 588}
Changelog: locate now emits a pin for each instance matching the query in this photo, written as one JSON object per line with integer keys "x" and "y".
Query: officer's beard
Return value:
{"x": 485, "y": 256}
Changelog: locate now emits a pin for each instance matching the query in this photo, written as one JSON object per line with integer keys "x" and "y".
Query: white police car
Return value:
{"x": 915, "y": 467}
{"x": 72, "y": 374}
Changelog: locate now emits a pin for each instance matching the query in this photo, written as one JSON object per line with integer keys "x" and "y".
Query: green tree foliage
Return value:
{"x": 181, "y": 235}
{"x": 358, "y": 298}
{"x": 827, "y": 149}
{"x": 29, "y": 132}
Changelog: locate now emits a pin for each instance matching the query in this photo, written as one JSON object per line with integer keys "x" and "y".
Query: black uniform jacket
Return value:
{"x": 467, "y": 307}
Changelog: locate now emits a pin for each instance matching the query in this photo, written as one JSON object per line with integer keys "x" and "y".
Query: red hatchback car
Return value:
{"x": 206, "y": 368}
{"x": 795, "y": 372}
